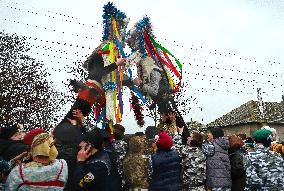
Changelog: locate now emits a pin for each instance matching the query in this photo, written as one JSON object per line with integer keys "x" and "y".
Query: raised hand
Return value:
{"x": 84, "y": 153}
{"x": 121, "y": 62}
{"x": 172, "y": 116}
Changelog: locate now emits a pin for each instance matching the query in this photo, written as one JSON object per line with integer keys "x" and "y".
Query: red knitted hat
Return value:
{"x": 29, "y": 137}
{"x": 165, "y": 141}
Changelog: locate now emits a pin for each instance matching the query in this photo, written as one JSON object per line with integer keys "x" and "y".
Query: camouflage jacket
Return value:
{"x": 193, "y": 165}
{"x": 168, "y": 128}
{"x": 135, "y": 171}
{"x": 264, "y": 170}
{"x": 120, "y": 147}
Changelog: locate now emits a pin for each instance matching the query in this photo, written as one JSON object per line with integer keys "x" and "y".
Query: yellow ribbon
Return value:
{"x": 115, "y": 28}
{"x": 111, "y": 52}
{"x": 171, "y": 82}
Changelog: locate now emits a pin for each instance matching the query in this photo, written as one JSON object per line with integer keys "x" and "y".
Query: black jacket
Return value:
{"x": 93, "y": 174}
{"x": 114, "y": 178}
{"x": 9, "y": 149}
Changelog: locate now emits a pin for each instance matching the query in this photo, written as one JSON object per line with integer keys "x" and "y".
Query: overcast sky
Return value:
{"x": 228, "y": 47}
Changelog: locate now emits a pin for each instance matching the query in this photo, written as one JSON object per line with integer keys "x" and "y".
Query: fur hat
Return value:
{"x": 8, "y": 132}
{"x": 29, "y": 137}
{"x": 67, "y": 133}
{"x": 165, "y": 141}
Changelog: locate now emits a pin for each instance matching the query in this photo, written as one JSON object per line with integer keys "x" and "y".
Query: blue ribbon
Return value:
{"x": 135, "y": 89}
{"x": 119, "y": 47}
{"x": 130, "y": 73}
{"x": 101, "y": 115}
{"x": 129, "y": 70}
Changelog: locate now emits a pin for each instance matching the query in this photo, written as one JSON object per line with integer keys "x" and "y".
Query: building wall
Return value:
{"x": 279, "y": 129}
{"x": 246, "y": 129}
{"x": 249, "y": 128}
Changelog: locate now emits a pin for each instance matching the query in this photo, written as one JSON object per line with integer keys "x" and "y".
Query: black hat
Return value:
{"x": 8, "y": 132}
{"x": 151, "y": 132}
{"x": 106, "y": 135}
{"x": 118, "y": 131}
{"x": 216, "y": 132}
{"x": 95, "y": 137}
{"x": 139, "y": 134}
{"x": 67, "y": 133}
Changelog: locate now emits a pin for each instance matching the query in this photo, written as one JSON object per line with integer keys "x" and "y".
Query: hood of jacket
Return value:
{"x": 223, "y": 142}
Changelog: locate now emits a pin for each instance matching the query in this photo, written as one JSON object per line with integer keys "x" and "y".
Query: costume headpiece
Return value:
{"x": 43, "y": 145}
{"x": 141, "y": 39}
{"x": 113, "y": 21}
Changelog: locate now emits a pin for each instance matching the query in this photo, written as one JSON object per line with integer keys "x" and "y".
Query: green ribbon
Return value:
{"x": 166, "y": 50}
{"x": 105, "y": 47}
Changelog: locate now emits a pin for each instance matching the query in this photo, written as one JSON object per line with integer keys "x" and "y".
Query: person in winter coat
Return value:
{"x": 45, "y": 172}
{"x": 115, "y": 180}
{"x": 165, "y": 166}
{"x": 135, "y": 165}
{"x": 236, "y": 154}
{"x": 93, "y": 164}
{"x": 120, "y": 147}
{"x": 193, "y": 162}
{"x": 67, "y": 138}
{"x": 264, "y": 168}
{"x": 11, "y": 142}
{"x": 218, "y": 168}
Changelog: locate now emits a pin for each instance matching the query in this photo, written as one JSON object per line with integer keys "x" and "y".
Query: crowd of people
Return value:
{"x": 76, "y": 156}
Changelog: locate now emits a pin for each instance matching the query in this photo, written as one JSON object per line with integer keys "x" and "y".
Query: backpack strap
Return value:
{"x": 56, "y": 182}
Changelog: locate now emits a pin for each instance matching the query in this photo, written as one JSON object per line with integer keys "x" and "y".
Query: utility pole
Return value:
{"x": 260, "y": 103}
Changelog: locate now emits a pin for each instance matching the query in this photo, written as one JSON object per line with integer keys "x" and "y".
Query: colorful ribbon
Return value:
{"x": 102, "y": 115}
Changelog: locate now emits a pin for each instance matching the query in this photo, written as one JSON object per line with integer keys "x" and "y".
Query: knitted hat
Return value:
{"x": 8, "y": 132}
{"x": 216, "y": 132}
{"x": 43, "y": 145}
{"x": 262, "y": 134}
{"x": 95, "y": 138}
{"x": 165, "y": 141}
{"x": 29, "y": 137}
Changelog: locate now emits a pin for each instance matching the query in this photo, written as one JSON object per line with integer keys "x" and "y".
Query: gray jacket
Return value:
{"x": 218, "y": 173}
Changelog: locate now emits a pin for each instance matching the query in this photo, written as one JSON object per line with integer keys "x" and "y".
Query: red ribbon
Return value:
{"x": 169, "y": 65}
{"x": 172, "y": 67}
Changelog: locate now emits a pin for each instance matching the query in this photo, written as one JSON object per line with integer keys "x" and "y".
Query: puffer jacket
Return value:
{"x": 166, "y": 171}
{"x": 218, "y": 173}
